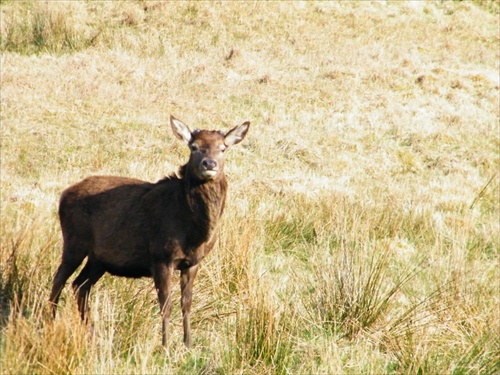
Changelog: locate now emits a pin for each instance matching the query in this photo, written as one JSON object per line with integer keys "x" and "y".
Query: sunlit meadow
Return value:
{"x": 361, "y": 233}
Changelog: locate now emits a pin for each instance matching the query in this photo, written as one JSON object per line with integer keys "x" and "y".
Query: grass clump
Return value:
{"x": 40, "y": 27}
{"x": 263, "y": 337}
{"x": 356, "y": 289}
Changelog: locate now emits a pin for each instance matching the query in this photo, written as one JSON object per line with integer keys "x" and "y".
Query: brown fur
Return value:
{"x": 132, "y": 228}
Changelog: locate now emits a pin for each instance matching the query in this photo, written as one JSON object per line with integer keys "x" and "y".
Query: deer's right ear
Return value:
{"x": 180, "y": 129}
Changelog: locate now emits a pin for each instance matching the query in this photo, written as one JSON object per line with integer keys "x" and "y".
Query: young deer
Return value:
{"x": 133, "y": 228}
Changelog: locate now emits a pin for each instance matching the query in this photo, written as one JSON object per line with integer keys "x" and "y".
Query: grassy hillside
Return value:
{"x": 362, "y": 230}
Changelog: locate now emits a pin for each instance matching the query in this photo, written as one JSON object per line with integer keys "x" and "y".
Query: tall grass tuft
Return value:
{"x": 45, "y": 27}
{"x": 263, "y": 335}
{"x": 23, "y": 277}
{"x": 355, "y": 290}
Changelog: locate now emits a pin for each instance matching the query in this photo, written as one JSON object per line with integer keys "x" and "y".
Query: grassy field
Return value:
{"x": 361, "y": 233}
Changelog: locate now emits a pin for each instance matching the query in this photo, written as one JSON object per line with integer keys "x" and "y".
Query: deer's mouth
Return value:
{"x": 209, "y": 173}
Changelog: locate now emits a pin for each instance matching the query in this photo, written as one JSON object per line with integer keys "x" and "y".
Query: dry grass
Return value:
{"x": 362, "y": 227}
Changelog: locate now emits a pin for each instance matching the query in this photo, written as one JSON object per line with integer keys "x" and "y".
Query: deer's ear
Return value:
{"x": 236, "y": 134}
{"x": 180, "y": 129}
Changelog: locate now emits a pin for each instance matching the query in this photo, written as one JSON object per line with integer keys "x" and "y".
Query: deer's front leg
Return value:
{"x": 163, "y": 283}
{"x": 187, "y": 279}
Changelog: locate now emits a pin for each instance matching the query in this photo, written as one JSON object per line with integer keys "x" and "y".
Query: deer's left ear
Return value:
{"x": 236, "y": 134}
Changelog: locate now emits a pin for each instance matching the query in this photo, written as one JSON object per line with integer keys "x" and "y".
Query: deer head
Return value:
{"x": 206, "y": 161}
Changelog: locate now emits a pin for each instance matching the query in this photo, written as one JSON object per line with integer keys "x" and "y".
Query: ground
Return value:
{"x": 361, "y": 233}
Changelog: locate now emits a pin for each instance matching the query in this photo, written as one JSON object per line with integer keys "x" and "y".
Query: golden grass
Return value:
{"x": 362, "y": 228}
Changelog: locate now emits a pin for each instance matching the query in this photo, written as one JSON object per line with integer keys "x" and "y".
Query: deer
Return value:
{"x": 133, "y": 228}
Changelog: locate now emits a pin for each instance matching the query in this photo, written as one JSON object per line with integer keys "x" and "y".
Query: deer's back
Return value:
{"x": 107, "y": 216}
{"x": 96, "y": 195}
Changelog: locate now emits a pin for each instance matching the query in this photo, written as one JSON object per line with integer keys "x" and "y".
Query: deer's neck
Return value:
{"x": 206, "y": 202}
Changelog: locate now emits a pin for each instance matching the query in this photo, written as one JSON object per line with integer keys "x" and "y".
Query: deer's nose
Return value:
{"x": 209, "y": 164}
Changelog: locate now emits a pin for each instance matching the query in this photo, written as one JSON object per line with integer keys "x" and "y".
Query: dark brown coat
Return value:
{"x": 132, "y": 228}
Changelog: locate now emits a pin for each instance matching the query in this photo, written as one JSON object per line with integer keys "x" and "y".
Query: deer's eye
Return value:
{"x": 194, "y": 147}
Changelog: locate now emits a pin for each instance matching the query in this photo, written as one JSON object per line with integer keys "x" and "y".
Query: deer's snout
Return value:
{"x": 209, "y": 168}
{"x": 209, "y": 164}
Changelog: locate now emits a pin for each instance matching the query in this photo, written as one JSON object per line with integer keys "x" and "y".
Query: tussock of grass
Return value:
{"x": 361, "y": 232}
{"x": 264, "y": 338}
{"x": 46, "y": 27}
{"x": 355, "y": 291}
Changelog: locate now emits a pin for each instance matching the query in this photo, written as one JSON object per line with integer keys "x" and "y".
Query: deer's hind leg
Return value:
{"x": 90, "y": 274}
{"x": 71, "y": 260}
